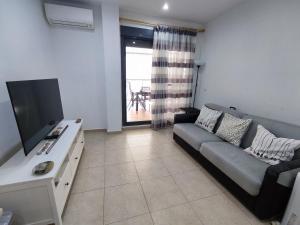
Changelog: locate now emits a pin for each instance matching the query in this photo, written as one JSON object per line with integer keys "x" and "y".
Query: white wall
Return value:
{"x": 200, "y": 41}
{"x": 25, "y": 53}
{"x": 156, "y": 20}
{"x": 89, "y": 74}
{"x": 112, "y": 65}
{"x": 252, "y": 59}
{"x": 31, "y": 49}
{"x": 80, "y": 65}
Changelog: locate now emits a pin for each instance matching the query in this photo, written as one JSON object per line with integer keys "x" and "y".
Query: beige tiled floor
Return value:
{"x": 141, "y": 177}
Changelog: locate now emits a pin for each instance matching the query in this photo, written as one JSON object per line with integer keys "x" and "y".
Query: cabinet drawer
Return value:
{"x": 63, "y": 187}
{"x": 75, "y": 158}
{"x": 76, "y": 155}
{"x": 81, "y": 138}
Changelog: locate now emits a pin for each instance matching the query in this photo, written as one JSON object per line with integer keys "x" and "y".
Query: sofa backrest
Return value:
{"x": 278, "y": 128}
{"x": 235, "y": 113}
{"x": 224, "y": 109}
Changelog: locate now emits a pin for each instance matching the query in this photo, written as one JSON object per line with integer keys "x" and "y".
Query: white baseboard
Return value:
{"x": 137, "y": 127}
{"x": 123, "y": 128}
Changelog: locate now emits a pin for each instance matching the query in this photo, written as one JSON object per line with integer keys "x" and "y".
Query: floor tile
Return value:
{"x": 94, "y": 136}
{"x": 149, "y": 169}
{"x": 218, "y": 210}
{"x": 169, "y": 178}
{"x": 195, "y": 184}
{"x": 144, "y": 152}
{"x": 88, "y": 179}
{"x": 139, "y": 132}
{"x": 139, "y": 137}
{"x": 162, "y": 193}
{"x": 75, "y": 218}
{"x": 84, "y": 208}
{"x": 118, "y": 174}
{"x": 139, "y": 220}
{"x": 179, "y": 163}
{"x": 117, "y": 156}
{"x": 91, "y": 159}
{"x": 123, "y": 202}
{"x": 169, "y": 149}
{"x": 163, "y": 139}
{"x": 94, "y": 147}
{"x": 119, "y": 140}
{"x": 178, "y": 215}
{"x": 116, "y": 145}
{"x": 115, "y": 136}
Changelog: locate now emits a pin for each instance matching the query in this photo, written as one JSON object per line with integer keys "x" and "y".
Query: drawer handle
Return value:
{"x": 76, "y": 158}
{"x": 67, "y": 184}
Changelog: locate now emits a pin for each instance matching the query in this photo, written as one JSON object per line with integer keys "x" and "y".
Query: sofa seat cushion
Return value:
{"x": 245, "y": 170}
{"x": 193, "y": 134}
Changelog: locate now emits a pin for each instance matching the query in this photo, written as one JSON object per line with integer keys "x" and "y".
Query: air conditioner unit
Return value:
{"x": 69, "y": 16}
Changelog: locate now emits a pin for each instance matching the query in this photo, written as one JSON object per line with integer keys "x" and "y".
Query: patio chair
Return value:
{"x": 132, "y": 96}
{"x": 145, "y": 93}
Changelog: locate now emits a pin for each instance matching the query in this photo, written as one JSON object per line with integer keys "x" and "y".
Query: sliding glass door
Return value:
{"x": 136, "y": 78}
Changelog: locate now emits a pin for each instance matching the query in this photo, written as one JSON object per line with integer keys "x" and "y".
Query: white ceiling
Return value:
{"x": 198, "y": 11}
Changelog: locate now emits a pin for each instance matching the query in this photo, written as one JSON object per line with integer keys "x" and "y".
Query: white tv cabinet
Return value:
{"x": 40, "y": 200}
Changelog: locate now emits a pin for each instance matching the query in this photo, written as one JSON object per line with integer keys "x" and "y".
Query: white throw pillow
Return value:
{"x": 270, "y": 149}
{"x": 208, "y": 118}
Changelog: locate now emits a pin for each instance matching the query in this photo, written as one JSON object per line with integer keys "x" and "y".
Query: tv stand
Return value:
{"x": 40, "y": 200}
{"x": 51, "y": 139}
{"x": 57, "y": 131}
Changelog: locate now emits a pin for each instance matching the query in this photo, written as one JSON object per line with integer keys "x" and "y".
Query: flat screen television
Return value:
{"x": 37, "y": 108}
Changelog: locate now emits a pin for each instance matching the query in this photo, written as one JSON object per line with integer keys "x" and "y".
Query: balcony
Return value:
{"x": 138, "y": 93}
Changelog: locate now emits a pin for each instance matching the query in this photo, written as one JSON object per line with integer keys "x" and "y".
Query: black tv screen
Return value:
{"x": 37, "y": 108}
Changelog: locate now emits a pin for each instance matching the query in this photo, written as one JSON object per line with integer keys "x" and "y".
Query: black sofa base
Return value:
{"x": 254, "y": 203}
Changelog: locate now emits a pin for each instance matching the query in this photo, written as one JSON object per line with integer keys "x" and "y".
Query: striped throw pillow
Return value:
{"x": 208, "y": 118}
{"x": 270, "y": 149}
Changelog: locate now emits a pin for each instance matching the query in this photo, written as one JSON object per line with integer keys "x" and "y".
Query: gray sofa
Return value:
{"x": 263, "y": 188}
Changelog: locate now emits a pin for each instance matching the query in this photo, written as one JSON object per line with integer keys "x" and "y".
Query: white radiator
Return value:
{"x": 292, "y": 214}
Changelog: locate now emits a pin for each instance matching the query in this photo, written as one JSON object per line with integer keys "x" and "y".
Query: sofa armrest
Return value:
{"x": 274, "y": 171}
{"x": 185, "y": 118}
{"x": 274, "y": 196}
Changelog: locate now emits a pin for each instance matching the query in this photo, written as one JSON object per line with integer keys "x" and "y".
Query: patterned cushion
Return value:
{"x": 270, "y": 149}
{"x": 208, "y": 118}
{"x": 232, "y": 129}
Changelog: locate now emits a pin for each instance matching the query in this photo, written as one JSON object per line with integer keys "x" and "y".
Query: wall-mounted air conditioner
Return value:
{"x": 69, "y": 16}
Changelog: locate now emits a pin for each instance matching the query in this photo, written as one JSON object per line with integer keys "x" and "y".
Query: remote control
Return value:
{"x": 44, "y": 148}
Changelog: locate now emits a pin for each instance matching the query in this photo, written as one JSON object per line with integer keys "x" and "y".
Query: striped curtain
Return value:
{"x": 172, "y": 73}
